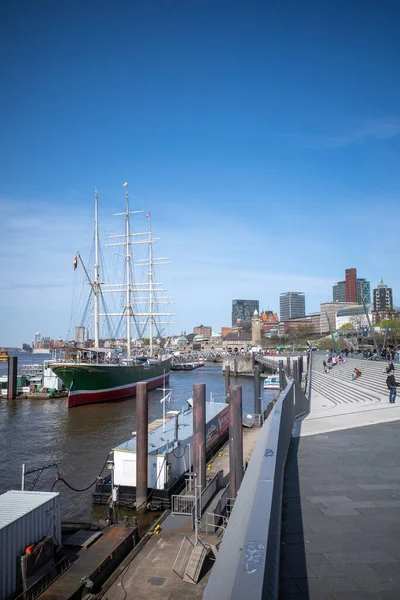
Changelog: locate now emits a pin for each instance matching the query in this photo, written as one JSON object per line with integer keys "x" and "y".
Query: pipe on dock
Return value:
{"x": 288, "y": 369}
{"x": 301, "y": 368}
{"x": 257, "y": 396}
{"x": 227, "y": 374}
{"x": 235, "y": 441}
{"x": 295, "y": 370}
{"x": 199, "y": 434}
{"x": 176, "y": 436}
{"x": 142, "y": 436}
{"x": 12, "y": 377}
{"x": 281, "y": 376}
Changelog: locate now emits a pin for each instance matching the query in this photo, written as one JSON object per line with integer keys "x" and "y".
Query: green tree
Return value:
{"x": 346, "y": 326}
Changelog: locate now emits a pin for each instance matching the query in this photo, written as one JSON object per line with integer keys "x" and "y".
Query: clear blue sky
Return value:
{"x": 264, "y": 137}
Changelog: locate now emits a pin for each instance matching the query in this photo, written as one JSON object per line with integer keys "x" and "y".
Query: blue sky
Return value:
{"x": 264, "y": 137}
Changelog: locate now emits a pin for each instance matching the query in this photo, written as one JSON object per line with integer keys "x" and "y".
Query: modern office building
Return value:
{"x": 352, "y": 289}
{"x": 339, "y": 291}
{"x": 383, "y": 297}
{"x": 363, "y": 291}
{"x": 37, "y": 339}
{"x": 81, "y": 334}
{"x": 243, "y": 310}
{"x": 351, "y": 285}
{"x": 292, "y": 305}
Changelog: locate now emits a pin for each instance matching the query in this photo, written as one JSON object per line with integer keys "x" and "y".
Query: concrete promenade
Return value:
{"x": 341, "y": 502}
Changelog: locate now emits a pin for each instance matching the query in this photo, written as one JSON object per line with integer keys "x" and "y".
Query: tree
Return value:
{"x": 346, "y": 326}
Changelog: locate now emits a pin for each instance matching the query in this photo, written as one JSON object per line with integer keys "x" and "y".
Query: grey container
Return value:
{"x": 25, "y": 518}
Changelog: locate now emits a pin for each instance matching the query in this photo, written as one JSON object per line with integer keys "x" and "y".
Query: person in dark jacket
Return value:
{"x": 392, "y": 385}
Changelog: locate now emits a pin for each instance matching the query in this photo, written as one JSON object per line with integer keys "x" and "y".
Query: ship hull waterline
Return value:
{"x": 92, "y": 383}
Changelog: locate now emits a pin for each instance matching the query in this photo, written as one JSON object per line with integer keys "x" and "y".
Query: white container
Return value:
{"x": 25, "y": 518}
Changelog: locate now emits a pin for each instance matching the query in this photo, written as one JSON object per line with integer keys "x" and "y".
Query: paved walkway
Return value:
{"x": 341, "y": 504}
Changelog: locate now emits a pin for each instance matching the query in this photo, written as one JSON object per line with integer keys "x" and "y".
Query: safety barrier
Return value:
{"x": 247, "y": 565}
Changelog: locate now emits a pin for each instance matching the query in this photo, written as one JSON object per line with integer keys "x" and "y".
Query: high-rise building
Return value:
{"x": 80, "y": 334}
{"x": 292, "y": 305}
{"x": 383, "y": 297}
{"x": 351, "y": 285}
{"x": 363, "y": 291}
{"x": 243, "y": 310}
{"x": 37, "y": 339}
{"x": 339, "y": 291}
{"x": 352, "y": 289}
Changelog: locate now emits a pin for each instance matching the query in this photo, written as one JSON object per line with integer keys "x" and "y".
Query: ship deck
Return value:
{"x": 159, "y": 440}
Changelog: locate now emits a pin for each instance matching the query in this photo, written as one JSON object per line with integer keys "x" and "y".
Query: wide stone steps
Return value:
{"x": 340, "y": 392}
{"x": 373, "y": 374}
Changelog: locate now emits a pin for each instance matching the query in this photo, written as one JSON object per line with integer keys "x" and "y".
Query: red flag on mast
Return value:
{"x": 148, "y": 214}
{"x": 75, "y": 262}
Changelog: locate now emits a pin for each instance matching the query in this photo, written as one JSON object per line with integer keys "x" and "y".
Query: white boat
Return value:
{"x": 271, "y": 383}
{"x": 169, "y": 457}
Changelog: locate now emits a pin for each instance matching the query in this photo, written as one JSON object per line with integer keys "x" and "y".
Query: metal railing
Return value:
{"x": 215, "y": 522}
{"x": 182, "y": 504}
{"x": 182, "y": 558}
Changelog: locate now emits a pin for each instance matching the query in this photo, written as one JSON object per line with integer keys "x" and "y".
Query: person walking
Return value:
{"x": 392, "y": 385}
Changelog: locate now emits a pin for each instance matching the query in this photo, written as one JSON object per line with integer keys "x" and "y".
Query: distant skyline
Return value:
{"x": 263, "y": 137}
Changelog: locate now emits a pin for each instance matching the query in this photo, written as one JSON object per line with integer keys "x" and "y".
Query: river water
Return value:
{"x": 39, "y": 432}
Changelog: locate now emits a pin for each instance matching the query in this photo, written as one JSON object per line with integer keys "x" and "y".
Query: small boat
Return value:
{"x": 271, "y": 383}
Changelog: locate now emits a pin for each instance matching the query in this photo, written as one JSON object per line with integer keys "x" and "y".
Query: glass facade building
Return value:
{"x": 339, "y": 292}
{"x": 243, "y": 310}
{"x": 292, "y": 305}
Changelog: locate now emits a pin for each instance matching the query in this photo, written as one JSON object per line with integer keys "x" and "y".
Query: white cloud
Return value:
{"x": 366, "y": 131}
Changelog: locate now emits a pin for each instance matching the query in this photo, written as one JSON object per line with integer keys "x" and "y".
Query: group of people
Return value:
{"x": 391, "y": 382}
{"x": 332, "y": 361}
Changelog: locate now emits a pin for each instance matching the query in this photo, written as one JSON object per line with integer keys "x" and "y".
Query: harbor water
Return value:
{"x": 39, "y": 432}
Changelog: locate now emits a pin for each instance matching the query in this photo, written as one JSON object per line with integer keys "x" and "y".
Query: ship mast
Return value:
{"x": 151, "y": 288}
{"x": 128, "y": 307}
{"x": 96, "y": 283}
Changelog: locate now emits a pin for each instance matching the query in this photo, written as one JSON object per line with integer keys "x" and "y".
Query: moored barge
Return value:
{"x": 170, "y": 453}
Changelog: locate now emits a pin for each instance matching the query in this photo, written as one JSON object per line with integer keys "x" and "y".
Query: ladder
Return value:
{"x": 195, "y": 564}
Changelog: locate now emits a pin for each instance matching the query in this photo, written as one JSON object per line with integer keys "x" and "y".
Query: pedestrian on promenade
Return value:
{"x": 390, "y": 367}
{"x": 356, "y": 374}
{"x": 392, "y": 385}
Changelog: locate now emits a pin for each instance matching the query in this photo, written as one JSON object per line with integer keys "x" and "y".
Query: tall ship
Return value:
{"x": 95, "y": 374}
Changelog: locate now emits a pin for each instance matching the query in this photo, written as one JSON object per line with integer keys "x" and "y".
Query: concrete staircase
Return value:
{"x": 341, "y": 392}
{"x": 371, "y": 382}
